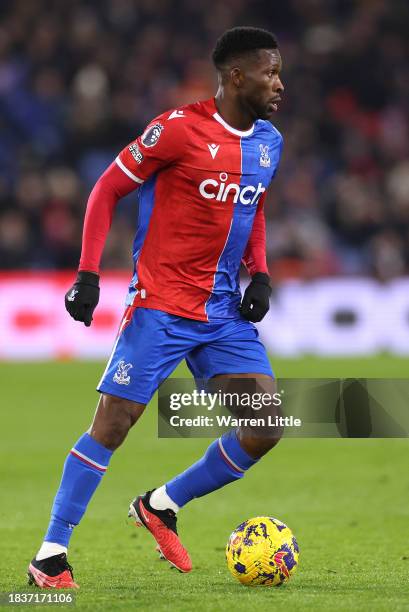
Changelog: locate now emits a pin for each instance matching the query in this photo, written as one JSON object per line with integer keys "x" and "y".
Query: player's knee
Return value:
{"x": 112, "y": 437}
{"x": 257, "y": 446}
{"x": 113, "y": 420}
{"x": 264, "y": 445}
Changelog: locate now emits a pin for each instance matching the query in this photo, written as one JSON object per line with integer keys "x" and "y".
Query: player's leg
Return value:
{"x": 84, "y": 468}
{"x": 124, "y": 395}
{"x": 229, "y": 457}
{"x": 255, "y": 441}
{"x": 226, "y": 460}
{"x": 238, "y": 354}
{"x": 113, "y": 419}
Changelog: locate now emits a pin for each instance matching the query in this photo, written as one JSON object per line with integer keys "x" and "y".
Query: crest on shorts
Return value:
{"x": 121, "y": 376}
{"x": 151, "y": 135}
{"x": 264, "y": 156}
{"x": 136, "y": 153}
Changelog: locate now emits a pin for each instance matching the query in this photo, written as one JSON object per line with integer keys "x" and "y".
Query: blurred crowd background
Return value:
{"x": 80, "y": 79}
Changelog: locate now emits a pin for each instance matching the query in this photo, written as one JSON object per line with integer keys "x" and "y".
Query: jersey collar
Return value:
{"x": 228, "y": 127}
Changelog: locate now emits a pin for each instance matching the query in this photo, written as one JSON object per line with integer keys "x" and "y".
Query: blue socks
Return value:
{"x": 83, "y": 469}
{"x": 223, "y": 462}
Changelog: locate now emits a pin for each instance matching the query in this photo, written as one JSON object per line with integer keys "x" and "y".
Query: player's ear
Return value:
{"x": 237, "y": 76}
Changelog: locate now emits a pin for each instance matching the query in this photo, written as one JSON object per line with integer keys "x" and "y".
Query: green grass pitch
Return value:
{"x": 346, "y": 501}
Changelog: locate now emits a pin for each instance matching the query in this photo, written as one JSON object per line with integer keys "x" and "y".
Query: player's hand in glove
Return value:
{"x": 82, "y": 299}
{"x": 256, "y": 300}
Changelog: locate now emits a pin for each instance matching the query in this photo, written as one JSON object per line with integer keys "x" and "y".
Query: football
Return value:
{"x": 262, "y": 551}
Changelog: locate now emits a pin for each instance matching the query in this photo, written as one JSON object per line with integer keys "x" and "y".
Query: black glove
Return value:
{"x": 82, "y": 299}
{"x": 256, "y": 300}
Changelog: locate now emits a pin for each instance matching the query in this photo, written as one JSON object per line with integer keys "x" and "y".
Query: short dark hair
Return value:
{"x": 239, "y": 41}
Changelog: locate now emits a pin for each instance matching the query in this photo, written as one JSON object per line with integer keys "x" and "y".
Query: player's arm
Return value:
{"x": 82, "y": 298}
{"x": 256, "y": 300}
{"x": 159, "y": 146}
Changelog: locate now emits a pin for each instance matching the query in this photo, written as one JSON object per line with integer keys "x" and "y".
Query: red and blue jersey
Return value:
{"x": 200, "y": 184}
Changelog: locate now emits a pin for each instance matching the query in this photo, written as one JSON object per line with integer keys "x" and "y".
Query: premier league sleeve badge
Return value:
{"x": 151, "y": 135}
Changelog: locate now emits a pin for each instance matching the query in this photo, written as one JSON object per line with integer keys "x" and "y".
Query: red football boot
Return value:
{"x": 162, "y": 525}
{"x": 52, "y": 573}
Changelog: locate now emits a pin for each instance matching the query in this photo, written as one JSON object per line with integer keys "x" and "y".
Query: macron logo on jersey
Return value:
{"x": 213, "y": 148}
{"x": 176, "y": 114}
{"x": 210, "y": 189}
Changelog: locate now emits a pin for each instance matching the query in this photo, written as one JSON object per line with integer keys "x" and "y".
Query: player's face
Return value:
{"x": 262, "y": 87}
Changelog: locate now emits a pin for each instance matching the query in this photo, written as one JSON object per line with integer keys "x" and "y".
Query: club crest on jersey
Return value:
{"x": 136, "y": 153}
{"x": 264, "y": 156}
{"x": 121, "y": 376}
{"x": 151, "y": 135}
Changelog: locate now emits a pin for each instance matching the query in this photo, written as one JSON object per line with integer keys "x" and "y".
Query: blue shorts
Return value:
{"x": 151, "y": 343}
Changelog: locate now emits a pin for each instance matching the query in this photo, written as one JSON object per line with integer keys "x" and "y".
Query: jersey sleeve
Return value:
{"x": 160, "y": 145}
{"x": 110, "y": 187}
{"x": 254, "y": 257}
